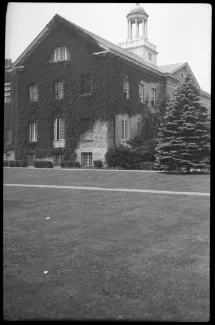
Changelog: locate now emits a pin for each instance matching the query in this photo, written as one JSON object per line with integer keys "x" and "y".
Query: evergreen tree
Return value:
{"x": 183, "y": 140}
{"x": 144, "y": 143}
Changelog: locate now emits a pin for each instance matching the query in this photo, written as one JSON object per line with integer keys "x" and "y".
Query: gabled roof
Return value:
{"x": 104, "y": 45}
{"x": 115, "y": 49}
{"x": 170, "y": 68}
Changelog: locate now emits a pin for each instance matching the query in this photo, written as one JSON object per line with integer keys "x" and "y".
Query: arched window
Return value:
{"x": 126, "y": 88}
{"x": 141, "y": 91}
{"x": 60, "y": 54}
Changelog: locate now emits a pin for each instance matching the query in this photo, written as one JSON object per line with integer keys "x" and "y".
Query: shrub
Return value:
{"x": 23, "y": 163}
{"x": 70, "y": 164}
{"x": 98, "y": 164}
{"x": 124, "y": 158}
{"x": 13, "y": 163}
{"x": 5, "y": 162}
{"x": 43, "y": 164}
{"x": 146, "y": 165}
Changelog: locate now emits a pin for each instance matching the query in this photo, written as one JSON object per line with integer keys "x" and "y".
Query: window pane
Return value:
{"x": 7, "y": 90}
{"x": 126, "y": 129}
{"x": 123, "y": 129}
{"x": 126, "y": 88}
{"x": 141, "y": 92}
{"x": 33, "y": 93}
{"x": 90, "y": 159}
{"x": 59, "y": 91}
{"x": 60, "y": 54}
{"x": 61, "y": 131}
{"x": 33, "y": 131}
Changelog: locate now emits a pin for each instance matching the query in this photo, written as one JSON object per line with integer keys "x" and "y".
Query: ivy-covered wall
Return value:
{"x": 9, "y": 123}
{"x": 118, "y": 70}
{"x": 106, "y": 101}
{"x": 74, "y": 107}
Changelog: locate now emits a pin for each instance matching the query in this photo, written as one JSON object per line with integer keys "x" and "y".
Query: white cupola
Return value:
{"x": 137, "y": 38}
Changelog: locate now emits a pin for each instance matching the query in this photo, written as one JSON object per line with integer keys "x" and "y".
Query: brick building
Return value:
{"x": 73, "y": 91}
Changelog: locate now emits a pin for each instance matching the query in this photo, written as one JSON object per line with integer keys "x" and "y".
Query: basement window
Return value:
{"x": 86, "y": 159}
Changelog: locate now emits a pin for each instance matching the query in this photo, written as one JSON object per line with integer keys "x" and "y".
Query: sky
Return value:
{"x": 181, "y": 32}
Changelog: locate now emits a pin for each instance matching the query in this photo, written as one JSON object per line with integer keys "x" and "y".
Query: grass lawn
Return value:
{"x": 109, "y": 255}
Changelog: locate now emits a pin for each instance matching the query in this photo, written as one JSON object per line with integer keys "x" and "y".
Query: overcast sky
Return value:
{"x": 181, "y": 32}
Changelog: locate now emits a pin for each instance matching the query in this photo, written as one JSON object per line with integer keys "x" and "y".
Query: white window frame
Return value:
{"x": 7, "y": 92}
{"x": 33, "y": 93}
{"x": 126, "y": 88}
{"x": 141, "y": 91}
{"x": 125, "y": 129}
{"x": 33, "y": 131}
{"x": 61, "y": 54}
{"x": 59, "y": 129}
{"x": 59, "y": 89}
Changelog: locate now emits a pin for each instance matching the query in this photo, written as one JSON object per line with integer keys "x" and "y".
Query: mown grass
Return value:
{"x": 108, "y": 255}
{"x": 116, "y": 179}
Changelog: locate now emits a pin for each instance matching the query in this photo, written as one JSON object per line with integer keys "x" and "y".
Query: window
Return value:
{"x": 86, "y": 84}
{"x": 59, "y": 129}
{"x": 33, "y": 92}
{"x": 126, "y": 88}
{"x": 8, "y": 136}
{"x": 86, "y": 159}
{"x": 182, "y": 75}
{"x": 33, "y": 132}
{"x": 57, "y": 158}
{"x": 124, "y": 129}
{"x": 7, "y": 92}
{"x": 150, "y": 56}
{"x": 153, "y": 101}
{"x": 60, "y": 54}
{"x": 59, "y": 90}
{"x": 141, "y": 91}
{"x": 31, "y": 159}
{"x": 8, "y": 156}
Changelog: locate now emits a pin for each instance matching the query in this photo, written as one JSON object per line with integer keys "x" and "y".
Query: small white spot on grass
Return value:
{"x": 48, "y": 218}
{"x": 45, "y": 272}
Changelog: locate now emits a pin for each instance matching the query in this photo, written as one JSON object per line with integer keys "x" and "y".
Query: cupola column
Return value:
{"x": 143, "y": 26}
{"x": 146, "y": 30}
{"x": 129, "y": 29}
{"x": 137, "y": 28}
